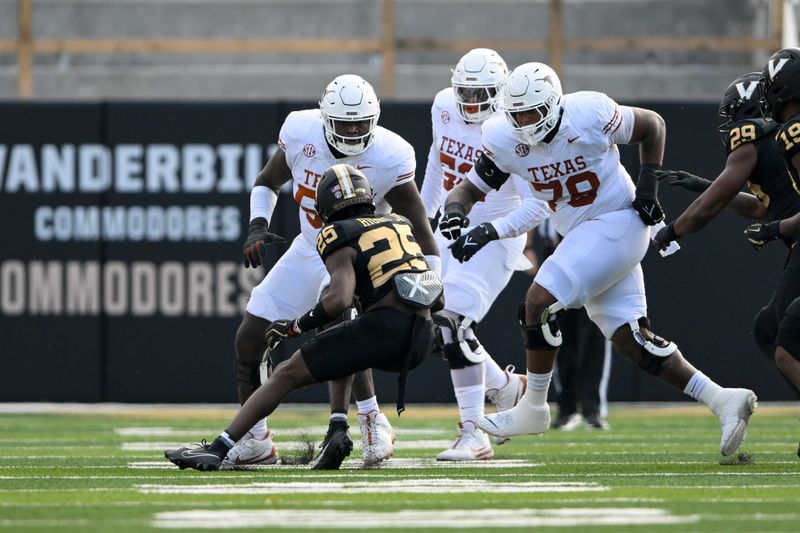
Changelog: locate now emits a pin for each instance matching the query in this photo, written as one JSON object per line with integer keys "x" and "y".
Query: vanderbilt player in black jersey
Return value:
{"x": 372, "y": 259}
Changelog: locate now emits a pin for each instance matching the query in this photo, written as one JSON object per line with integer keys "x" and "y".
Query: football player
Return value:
{"x": 566, "y": 146}
{"x": 755, "y": 158}
{"x": 343, "y": 130}
{"x": 471, "y": 286}
{"x": 370, "y": 257}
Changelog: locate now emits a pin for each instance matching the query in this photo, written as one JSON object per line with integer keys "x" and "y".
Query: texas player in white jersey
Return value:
{"x": 471, "y": 287}
{"x": 565, "y": 145}
{"x": 343, "y": 130}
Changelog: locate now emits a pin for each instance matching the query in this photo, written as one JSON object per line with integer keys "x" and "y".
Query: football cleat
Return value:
{"x": 250, "y": 451}
{"x": 596, "y": 422}
{"x": 335, "y": 447}
{"x": 567, "y": 421}
{"x": 509, "y": 394}
{"x": 733, "y": 407}
{"x": 377, "y": 437}
{"x": 472, "y": 444}
{"x": 201, "y": 457}
{"x": 523, "y": 419}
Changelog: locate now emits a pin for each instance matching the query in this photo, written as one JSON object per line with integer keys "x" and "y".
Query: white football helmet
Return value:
{"x": 350, "y": 109}
{"x": 533, "y": 87}
{"x": 477, "y": 81}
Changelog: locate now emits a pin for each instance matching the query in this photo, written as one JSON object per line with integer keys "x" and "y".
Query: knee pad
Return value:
{"x": 545, "y": 333}
{"x": 655, "y": 351}
{"x": 459, "y": 351}
{"x": 454, "y": 355}
{"x": 789, "y": 334}
{"x": 765, "y": 331}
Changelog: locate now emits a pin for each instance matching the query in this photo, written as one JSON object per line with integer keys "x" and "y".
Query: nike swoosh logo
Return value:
{"x": 363, "y": 167}
{"x": 190, "y": 453}
{"x": 573, "y": 139}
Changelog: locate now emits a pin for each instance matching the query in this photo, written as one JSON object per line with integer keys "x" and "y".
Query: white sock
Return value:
{"x": 259, "y": 431}
{"x": 470, "y": 402}
{"x": 536, "y": 393}
{"x": 368, "y": 405}
{"x": 496, "y": 377}
{"x": 226, "y": 438}
{"x": 701, "y": 388}
{"x": 467, "y": 376}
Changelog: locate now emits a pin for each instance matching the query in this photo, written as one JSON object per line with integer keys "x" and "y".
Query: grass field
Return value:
{"x": 101, "y": 468}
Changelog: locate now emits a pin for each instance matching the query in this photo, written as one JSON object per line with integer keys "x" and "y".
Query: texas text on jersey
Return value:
{"x": 384, "y": 245}
{"x": 769, "y": 181}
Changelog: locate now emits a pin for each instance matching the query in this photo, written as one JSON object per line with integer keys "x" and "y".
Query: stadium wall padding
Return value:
{"x": 120, "y": 256}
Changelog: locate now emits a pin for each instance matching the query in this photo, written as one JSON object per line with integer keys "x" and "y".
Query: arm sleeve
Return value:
{"x": 529, "y": 214}
{"x": 432, "y": 184}
{"x": 486, "y": 175}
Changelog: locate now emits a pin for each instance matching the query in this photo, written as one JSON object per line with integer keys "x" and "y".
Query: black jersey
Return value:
{"x": 769, "y": 181}
{"x": 384, "y": 245}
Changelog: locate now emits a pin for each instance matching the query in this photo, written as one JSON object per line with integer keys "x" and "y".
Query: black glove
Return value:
{"x": 280, "y": 330}
{"x": 258, "y": 238}
{"x": 760, "y": 234}
{"x": 646, "y": 201}
{"x": 665, "y": 236}
{"x": 681, "y": 178}
{"x": 468, "y": 245}
{"x": 452, "y": 221}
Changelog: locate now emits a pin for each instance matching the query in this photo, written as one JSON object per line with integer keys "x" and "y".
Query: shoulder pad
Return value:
{"x": 336, "y": 235}
{"x": 748, "y": 130}
{"x": 788, "y": 137}
{"x": 298, "y": 124}
{"x": 392, "y": 148}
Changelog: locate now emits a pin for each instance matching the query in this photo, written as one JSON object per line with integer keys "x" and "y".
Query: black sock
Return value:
{"x": 219, "y": 447}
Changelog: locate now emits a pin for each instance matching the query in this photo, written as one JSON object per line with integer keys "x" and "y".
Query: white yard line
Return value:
{"x": 149, "y": 446}
{"x": 393, "y": 463}
{"x": 451, "y": 519}
{"x": 312, "y": 431}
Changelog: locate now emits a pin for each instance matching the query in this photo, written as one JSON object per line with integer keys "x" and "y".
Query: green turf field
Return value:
{"x": 658, "y": 469}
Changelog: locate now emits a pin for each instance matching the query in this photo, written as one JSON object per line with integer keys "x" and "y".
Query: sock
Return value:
{"x": 701, "y": 388}
{"x": 365, "y": 406}
{"x": 338, "y": 418}
{"x": 470, "y": 402}
{"x": 259, "y": 431}
{"x": 222, "y": 444}
{"x": 467, "y": 376}
{"x": 538, "y": 384}
{"x": 496, "y": 377}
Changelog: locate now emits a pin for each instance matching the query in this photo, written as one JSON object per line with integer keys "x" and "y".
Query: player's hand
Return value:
{"x": 686, "y": 180}
{"x": 665, "y": 236}
{"x": 468, "y": 245}
{"x": 760, "y": 234}
{"x": 649, "y": 210}
{"x": 452, "y": 224}
{"x": 258, "y": 238}
{"x": 280, "y": 330}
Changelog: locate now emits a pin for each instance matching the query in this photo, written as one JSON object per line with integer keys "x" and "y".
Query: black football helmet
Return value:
{"x": 741, "y": 100}
{"x": 342, "y": 186}
{"x": 780, "y": 81}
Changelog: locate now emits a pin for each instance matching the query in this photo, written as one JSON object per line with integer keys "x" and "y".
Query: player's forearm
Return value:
{"x": 653, "y": 138}
{"x": 465, "y": 195}
{"x": 747, "y": 206}
{"x": 790, "y": 227}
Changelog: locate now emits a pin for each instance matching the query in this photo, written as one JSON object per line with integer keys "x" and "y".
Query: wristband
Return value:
{"x": 315, "y": 318}
{"x": 262, "y": 202}
{"x": 456, "y": 209}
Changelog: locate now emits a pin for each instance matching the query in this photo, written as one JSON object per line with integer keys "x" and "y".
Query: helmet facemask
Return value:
{"x": 350, "y": 111}
{"x": 477, "y": 80}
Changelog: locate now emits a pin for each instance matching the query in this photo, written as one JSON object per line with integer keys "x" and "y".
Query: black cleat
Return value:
{"x": 336, "y": 446}
{"x": 201, "y": 458}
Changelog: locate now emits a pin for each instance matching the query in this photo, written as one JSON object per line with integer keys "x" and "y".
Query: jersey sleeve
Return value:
{"x": 287, "y": 138}
{"x": 529, "y": 214}
{"x": 432, "y": 189}
{"x": 789, "y": 138}
{"x": 603, "y": 119}
{"x": 744, "y": 132}
{"x": 334, "y": 236}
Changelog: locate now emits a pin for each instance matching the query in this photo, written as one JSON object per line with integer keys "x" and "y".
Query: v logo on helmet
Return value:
{"x": 745, "y": 90}
{"x": 775, "y": 66}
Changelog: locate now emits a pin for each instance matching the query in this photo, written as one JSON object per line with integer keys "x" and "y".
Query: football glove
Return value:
{"x": 280, "y": 330}
{"x": 760, "y": 234}
{"x": 646, "y": 201}
{"x": 258, "y": 238}
{"x": 686, "y": 180}
{"x": 468, "y": 245}
{"x": 453, "y": 220}
{"x": 665, "y": 236}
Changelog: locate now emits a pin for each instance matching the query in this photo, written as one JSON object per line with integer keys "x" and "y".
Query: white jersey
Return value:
{"x": 578, "y": 172}
{"x": 389, "y": 161}
{"x": 455, "y": 149}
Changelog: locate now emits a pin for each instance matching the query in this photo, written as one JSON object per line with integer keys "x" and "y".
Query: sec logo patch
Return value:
{"x": 309, "y": 150}
{"x": 522, "y": 150}
{"x": 445, "y": 117}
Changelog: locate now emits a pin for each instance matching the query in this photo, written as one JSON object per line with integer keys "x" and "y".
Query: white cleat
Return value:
{"x": 733, "y": 407}
{"x": 377, "y": 437}
{"x": 524, "y": 419}
{"x": 508, "y": 395}
{"x": 472, "y": 444}
{"x": 250, "y": 451}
